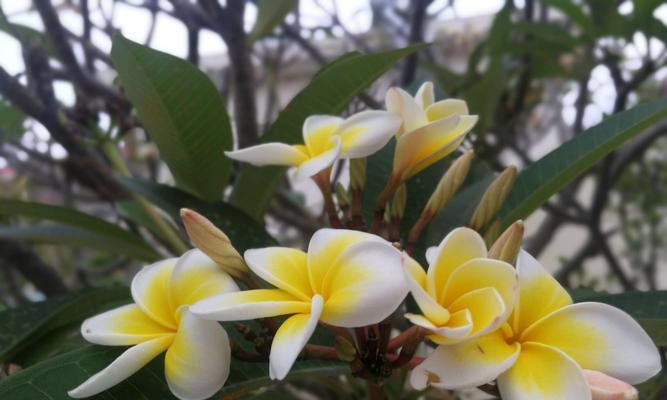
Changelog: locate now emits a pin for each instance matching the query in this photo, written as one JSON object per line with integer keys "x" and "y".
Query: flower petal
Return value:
{"x": 150, "y": 290}
{"x": 399, "y": 102}
{"x": 459, "y": 246}
{"x": 269, "y": 154}
{"x": 458, "y": 328}
{"x": 122, "y": 326}
{"x": 437, "y": 315}
{"x": 122, "y": 367}
{"x": 466, "y": 365}
{"x": 249, "y": 304}
{"x": 195, "y": 277}
{"x": 483, "y": 273}
{"x": 197, "y": 363}
{"x": 284, "y": 268}
{"x": 425, "y": 95}
{"x": 324, "y": 248}
{"x": 364, "y": 286}
{"x": 366, "y": 132}
{"x": 318, "y": 131}
{"x": 416, "y": 145}
{"x": 447, "y": 144}
{"x": 542, "y": 372}
{"x": 291, "y": 337}
{"x": 321, "y": 161}
{"x": 536, "y": 283}
{"x": 487, "y": 309}
{"x": 601, "y": 338}
{"x": 446, "y": 108}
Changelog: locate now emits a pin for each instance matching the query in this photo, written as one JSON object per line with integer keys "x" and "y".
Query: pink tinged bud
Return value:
{"x": 604, "y": 387}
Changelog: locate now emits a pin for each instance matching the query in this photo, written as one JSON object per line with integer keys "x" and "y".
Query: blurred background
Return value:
{"x": 537, "y": 72}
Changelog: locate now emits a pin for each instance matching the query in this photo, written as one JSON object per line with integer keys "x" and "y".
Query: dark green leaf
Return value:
{"x": 75, "y": 236}
{"x": 183, "y": 113}
{"x": 537, "y": 183}
{"x": 328, "y": 93}
{"x": 576, "y": 13}
{"x": 244, "y": 231}
{"x": 270, "y": 13}
{"x": 22, "y": 327}
{"x": 11, "y": 122}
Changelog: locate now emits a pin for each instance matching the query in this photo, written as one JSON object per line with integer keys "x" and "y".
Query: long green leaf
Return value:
{"x": 22, "y": 327}
{"x": 75, "y": 236}
{"x": 328, "y": 93}
{"x": 270, "y": 13}
{"x": 537, "y": 183}
{"x": 648, "y": 308}
{"x": 68, "y": 216}
{"x": 51, "y": 379}
{"x": 244, "y": 231}
{"x": 183, "y": 113}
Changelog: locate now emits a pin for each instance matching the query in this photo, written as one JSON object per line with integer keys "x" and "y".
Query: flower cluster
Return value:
{"x": 490, "y": 315}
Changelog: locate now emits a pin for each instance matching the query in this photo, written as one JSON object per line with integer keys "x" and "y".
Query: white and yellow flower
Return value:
{"x": 326, "y": 139}
{"x": 430, "y": 131}
{"x": 543, "y": 350}
{"x": 346, "y": 279}
{"x": 197, "y": 350}
{"x": 464, "y": 294}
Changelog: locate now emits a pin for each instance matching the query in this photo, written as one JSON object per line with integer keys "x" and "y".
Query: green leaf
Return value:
{"x": 537, "y": 183}
{"x": 183, "y": 113}
{"x": 244, "y": 232}
{"x": 75, "y": 236}
{"x": 270, "y": 13}
{"x": 576, "y": 13}
{"x": 648, "y": 308}
{"x": 22, "y": 327}
{"x": 50, "y": 380}
{"x": 108, "y": 232}
{"x": 328, "y": 93}
{"x": 136, "y": 213}
{"x": 11, "y": 122}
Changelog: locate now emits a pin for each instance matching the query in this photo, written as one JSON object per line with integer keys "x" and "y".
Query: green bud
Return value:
{"x": 357, "y": 173}
{"x": 398, "y": 202}
{"x": 341, "y": 195}
{"x": 344, "y": 349}
{"x": 450, "y": 183}
{"x": 508, "y": 245}
{"x": 493, "y": 198}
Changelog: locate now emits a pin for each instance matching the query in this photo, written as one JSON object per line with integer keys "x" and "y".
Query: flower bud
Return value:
{"x": 213, "y": 242}
{"x": 357, "y": 173}
{"x": 450, "y": 182}
{"x": 604, "y": 387}
{"x": 344, "y": 349}
{"x": 341, "y": 195}
{"x": 493, "y": 198}
{"x": 507, "y": 246}
{"x": 398, "y": 202}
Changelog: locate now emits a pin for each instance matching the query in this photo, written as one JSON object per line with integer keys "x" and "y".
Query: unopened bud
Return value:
{"x": 507, "y": 246}
{"x": 398, "y": 202}
{"x": 213, "y": 242}
{"x": 357, "y": 173}
{"x": 341, "y": 195}
{"x": 344, "y": 349}
{"x": 450, "y": 183}
{"x": 493, "y": 198}
{"x": 604, "y": 387}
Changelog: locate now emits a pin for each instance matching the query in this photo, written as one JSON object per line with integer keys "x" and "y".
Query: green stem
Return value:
{"x": 166, "y": 231}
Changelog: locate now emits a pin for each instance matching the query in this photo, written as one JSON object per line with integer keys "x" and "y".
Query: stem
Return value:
{"x": 416, "y": 231}
{"x": 392, "y": 184}
{"x": 397, "y": 342}
{"x": 166, "y": 231}
{"x": 357, "y": 221}
{"x": 408, "y": 349}
{"x": 322, "y": 181}
{"x": 375, "y": 392}
{"x": 317, "y": 351}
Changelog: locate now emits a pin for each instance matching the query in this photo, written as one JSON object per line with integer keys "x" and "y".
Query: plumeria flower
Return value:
{"x": 463, "y": 294}
{"x": 197, "y": 357}
{"x": 326, "y": 139}
{"x": 542, "y": 350}
{"x": 346, "y": 279}
{"x": 430, "y": 131}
